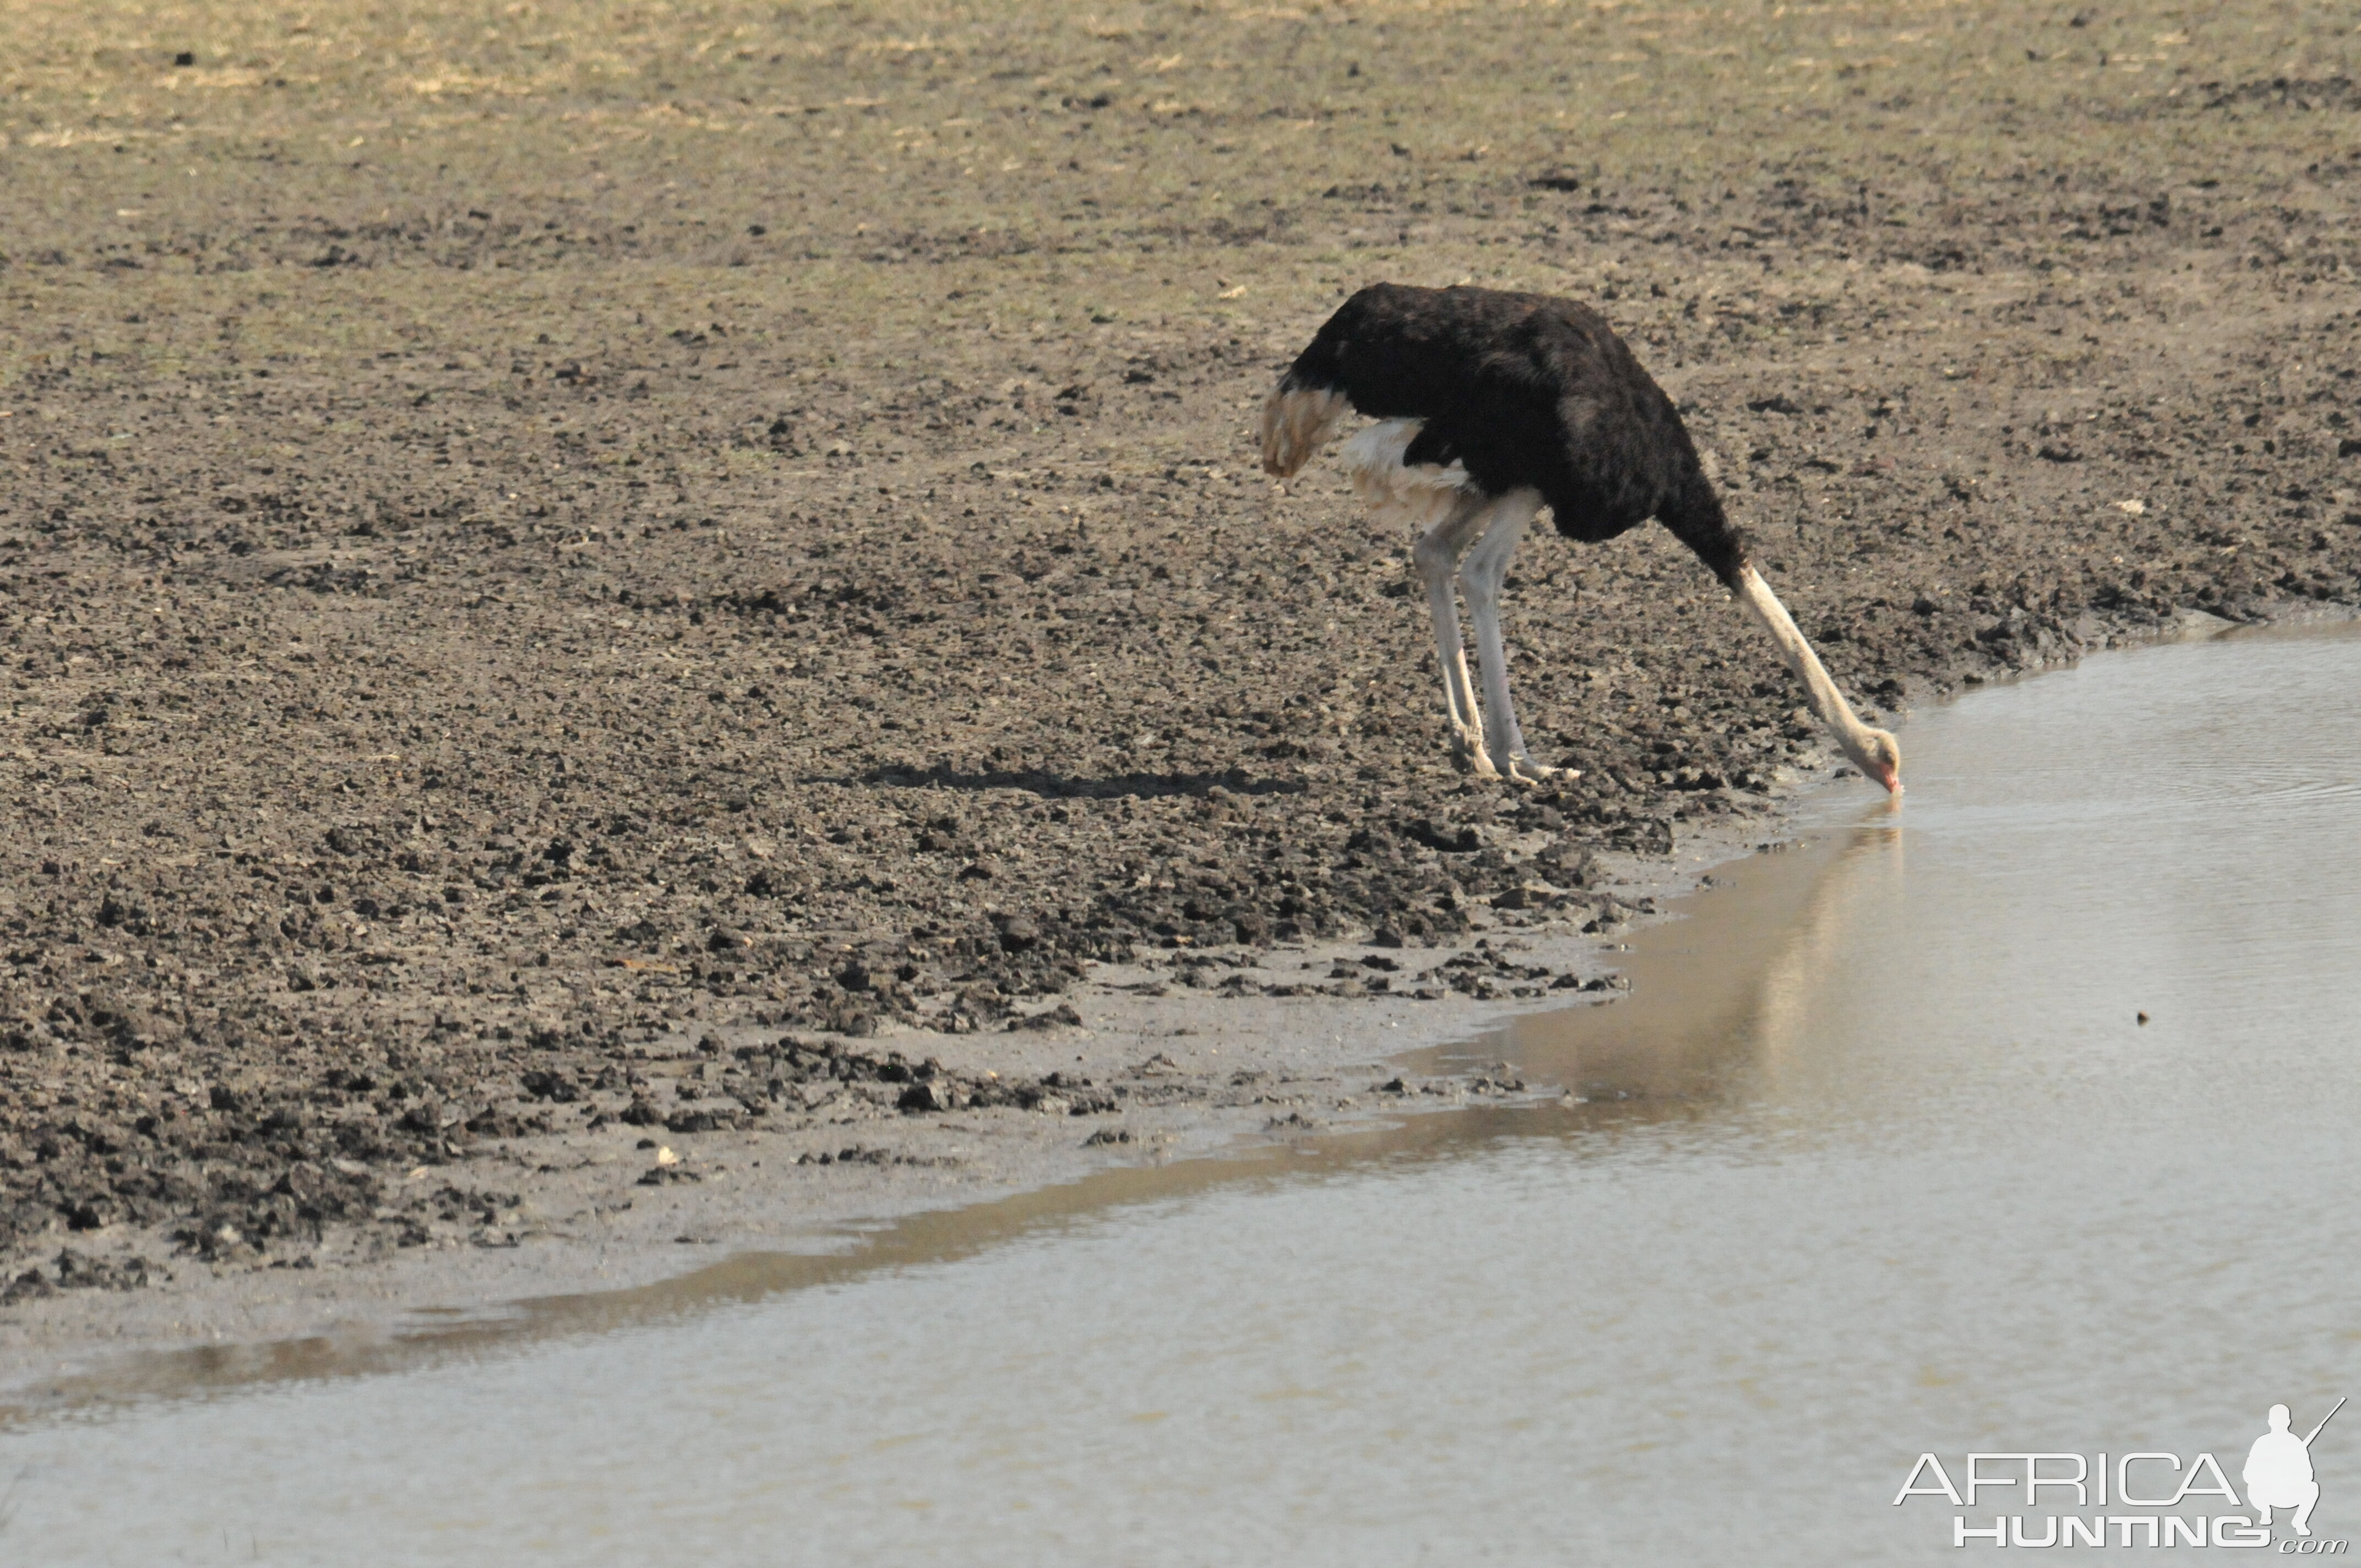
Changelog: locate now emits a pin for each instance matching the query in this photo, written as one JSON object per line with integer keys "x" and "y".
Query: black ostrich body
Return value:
{"x": 1527, "y": 391}
{"x": 1494, "y": 405}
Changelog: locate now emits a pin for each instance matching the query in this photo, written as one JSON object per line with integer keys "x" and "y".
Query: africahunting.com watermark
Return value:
{"x": 2149, "y": 1500}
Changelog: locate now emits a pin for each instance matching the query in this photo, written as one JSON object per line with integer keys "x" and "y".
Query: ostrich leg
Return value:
{"x": 1481, "y": 576}
{"x": 1437, "y": 557}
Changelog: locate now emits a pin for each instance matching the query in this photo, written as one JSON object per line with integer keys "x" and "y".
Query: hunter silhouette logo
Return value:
{"x": 2142, "y": 1500}
{"x": 2279, "y": 1472}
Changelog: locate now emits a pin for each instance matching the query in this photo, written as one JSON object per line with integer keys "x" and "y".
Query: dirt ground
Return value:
{"x": 631, "y": 570}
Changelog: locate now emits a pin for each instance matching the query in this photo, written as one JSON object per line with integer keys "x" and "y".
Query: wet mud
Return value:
{"x": 585, "y": 576}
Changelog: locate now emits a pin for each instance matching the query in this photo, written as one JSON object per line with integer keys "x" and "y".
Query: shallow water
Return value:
{"x": 1877, "y": 1159}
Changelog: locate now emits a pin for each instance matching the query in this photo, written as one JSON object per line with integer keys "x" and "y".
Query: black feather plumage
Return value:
{"x": 1526, "y": 390}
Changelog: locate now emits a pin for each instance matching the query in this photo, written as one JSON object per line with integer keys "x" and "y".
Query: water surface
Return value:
{"x": 1877, "y": 1159}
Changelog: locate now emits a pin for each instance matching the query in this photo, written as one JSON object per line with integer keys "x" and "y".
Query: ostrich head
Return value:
{"x": 1878, "y": 755}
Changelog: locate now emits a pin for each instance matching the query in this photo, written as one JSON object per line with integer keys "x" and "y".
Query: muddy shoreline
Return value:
{"x": 1233, "y": 1049}
{"x": 1181, "y": 1054}
{"x": 642, "y": 590}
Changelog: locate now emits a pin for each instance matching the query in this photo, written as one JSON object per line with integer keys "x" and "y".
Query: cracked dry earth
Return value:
{"x": 529, "y": 542}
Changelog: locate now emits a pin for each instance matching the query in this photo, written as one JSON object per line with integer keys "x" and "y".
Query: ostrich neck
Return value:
{"x": 1825, "y": 700}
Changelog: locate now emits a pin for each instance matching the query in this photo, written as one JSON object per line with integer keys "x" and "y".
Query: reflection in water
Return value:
{"x": 1867, "y": 873}
{"x": 1876, "y": 1158}
{"x": 1726, "y": 993}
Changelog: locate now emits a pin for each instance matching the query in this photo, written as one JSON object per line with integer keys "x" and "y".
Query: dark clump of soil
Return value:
{"x": 480, "y": 593}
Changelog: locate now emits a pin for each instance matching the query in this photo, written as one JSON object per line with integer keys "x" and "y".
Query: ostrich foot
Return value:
{"x": 1467, "y": 745}
{"x": 1524, "y": 770}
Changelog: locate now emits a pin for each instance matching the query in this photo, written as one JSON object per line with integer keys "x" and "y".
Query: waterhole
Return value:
{"x": 1879, "y": 1159}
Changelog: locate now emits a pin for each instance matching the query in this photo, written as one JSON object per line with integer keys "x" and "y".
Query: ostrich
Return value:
{"x": 1492, "y": 405}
